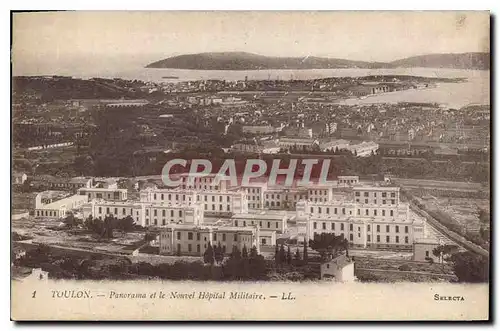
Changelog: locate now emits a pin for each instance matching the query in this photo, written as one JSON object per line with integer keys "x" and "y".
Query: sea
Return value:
{"x": 475, "y": 91}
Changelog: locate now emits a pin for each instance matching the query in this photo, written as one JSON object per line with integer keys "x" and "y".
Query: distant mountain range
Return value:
{"x": 249, "y": 61}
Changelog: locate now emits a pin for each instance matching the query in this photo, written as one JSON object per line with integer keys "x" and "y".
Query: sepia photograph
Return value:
{"x": 250, "y": 165}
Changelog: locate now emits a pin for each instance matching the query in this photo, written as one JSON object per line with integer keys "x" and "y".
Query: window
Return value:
{"x": 369, "y": 238}
{"x": 383, "y": 202}
{"x": 351, "y": 237}
{"x": 107, "y": 211}
{"x": 154, "y": 196}
{"x": 397, "y": 239}
{"x": 374, "y": 212}
{"x": 350, "y": 227}
{"x": 235, "y": 237}
{"x": 178, "y": 248}
{"x": 223, "y": 237}
{"x": 163, "y": 212}
{"x": 268, "y": 225}
{"x": 393, "y": 195}
{"x": 328, "y": 210}
{"x": 383, "y": 212}
{"x": 260, "y": 223}
{"x": 365, "y": 194}
{"x": 198, "y": 236}
{"x": 359, "y": 211}
{"x": 198, "y": 248}
{"x": 333, "y": 226}
{"x": 366, "y": 212}
{"x": 393, "y": 201}
{"x": 368, "y": 227}
{"x": 341, "y": 226}
{"x": 387, "y": 239}
{"x": 324, "y": 226}
{"x": 426, "y": 253}
{"x": 235, "y": 222}
{"x": 123, "y": 211}
{"x": 162, "y": 196}
{"x": 384, "y": 195}
{"x": 392, "y": 212}
{"x": 189, "y": 247}
{"x": 214, "y": 237}
{"x": 171, "y": 213}
{"x": 357, "y": 194}
{"x": 312, "y": 210}
{"x": 180, "y": 213}
{"x": 397, "y": 228}
{"x": 343, "y": 211}
{"x": 100, "y": 210}
{"x": 406, "y": 239}
{"x": 155, "y": 212}
{"x": 277, "y": 225}
{"x": 178, "y": 236}
{"x": 335, "y": 211}
{"x": 190, "y": 236}
{"x": 375, "y": 201}
{"x": 314, "y": 225}
{"x": 366, "y": 200}
{"x": 406, "y": 229}
{"x": 378, "y": 238}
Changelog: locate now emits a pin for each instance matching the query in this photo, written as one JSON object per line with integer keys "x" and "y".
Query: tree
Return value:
{"x": 148, "y": 236}
{"x": 276, "y": 255}
{"x": 470, "y": 267}
{"x": 289, "y": 256}
{"x": 282, "y": 255}
{"x": 297, "y": 255}
{"x": 329, "y": 245}
{"x": 444, "y": 252}
{"x": 304, "y": 254}
{"x": 208, "y": 256}
{"x": 253, "y": 253}
{"x": 125, "y": 224}
{"x": 219, "y": 253}
{"x": 244, "y": 252}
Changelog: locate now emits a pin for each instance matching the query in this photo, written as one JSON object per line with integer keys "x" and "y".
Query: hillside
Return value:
{"x": 249, "y": 61}
{"x": 477, "y": 61}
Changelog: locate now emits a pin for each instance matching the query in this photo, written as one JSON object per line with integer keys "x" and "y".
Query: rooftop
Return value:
{"x": 248, "y": 229}
{"x": 262, "y": 215}
{"x": 62, "y": 202}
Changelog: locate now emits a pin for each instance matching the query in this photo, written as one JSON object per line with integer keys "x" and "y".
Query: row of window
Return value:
{"x": 336, "y": 210}
{"x": 367, "y": 212}
{"x": 228, "y": 207}
{"x": 244, "y": 223}
{"x": 384, "y": 202}
{"x": 190, "y": 248}
{"x": 47, "y": 213}
{"x": 351, "y": 227}
{"x": 155, "y": 221}
{"x": 387, "y": 238}
{"x": 190, "y": 236}
{"x": 384, "y": 194}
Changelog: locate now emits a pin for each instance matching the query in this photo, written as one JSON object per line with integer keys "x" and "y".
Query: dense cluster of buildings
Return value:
{"x": 207, "y": 210}
{"x": 299, "y": 144}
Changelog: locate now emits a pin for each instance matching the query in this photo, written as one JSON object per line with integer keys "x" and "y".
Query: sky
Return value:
{"x": 46, "y": 42}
